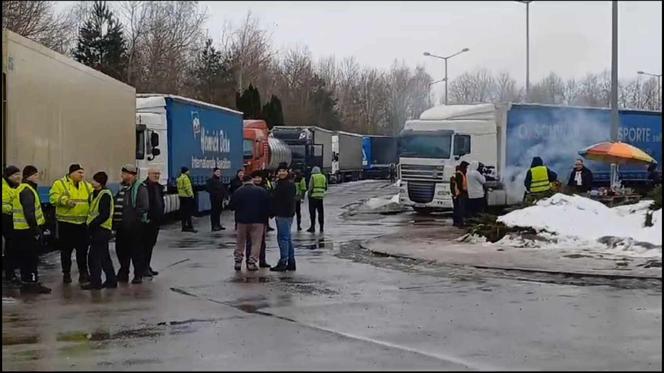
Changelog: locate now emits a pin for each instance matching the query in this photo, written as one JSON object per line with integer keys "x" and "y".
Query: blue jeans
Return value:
{"x": 286, "y": 249}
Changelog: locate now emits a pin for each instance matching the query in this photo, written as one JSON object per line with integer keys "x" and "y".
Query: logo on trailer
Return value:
{"x": 195, "y": 123}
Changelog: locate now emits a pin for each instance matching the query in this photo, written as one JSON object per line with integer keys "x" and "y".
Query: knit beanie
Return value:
{"x": 74, "y": 167}
{"x": 184, "y": 169}
{"x": 101, "y": 178}
{"x": 29, "y": 171}
{"x": 10, "y": 170}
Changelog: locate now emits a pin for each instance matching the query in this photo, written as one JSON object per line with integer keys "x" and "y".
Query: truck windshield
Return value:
{"x": 425, "y": 146}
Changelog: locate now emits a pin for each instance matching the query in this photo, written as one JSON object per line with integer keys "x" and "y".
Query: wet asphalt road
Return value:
{"x": 343, "y": 309}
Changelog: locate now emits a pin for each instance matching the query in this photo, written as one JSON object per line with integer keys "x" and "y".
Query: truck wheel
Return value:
{"x": 422, "y": 210}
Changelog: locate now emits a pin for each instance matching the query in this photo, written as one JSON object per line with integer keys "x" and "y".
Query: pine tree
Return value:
{"x": 250, "y": 103}
{"x": 272, "y": 112}
{"x": 101, "y": 44}
{"x": 213, "y": 81}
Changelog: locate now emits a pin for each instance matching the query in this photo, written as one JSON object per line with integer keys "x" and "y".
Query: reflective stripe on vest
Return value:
{"x": 539, "y": 181}
{"x": 94, "y": 210}
{"x": 19, "y": 218}
{"x": 81, "y": 195}
{"x": 8, "y": 195}
{"x": 319, "y": 183}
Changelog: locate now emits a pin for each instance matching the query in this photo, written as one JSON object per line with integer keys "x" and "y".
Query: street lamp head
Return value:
{"x": 427, "y": 54}
{"x": 465, "y": 50}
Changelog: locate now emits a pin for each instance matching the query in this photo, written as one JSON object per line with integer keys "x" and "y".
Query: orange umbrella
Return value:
{"x": 616, "y": 152}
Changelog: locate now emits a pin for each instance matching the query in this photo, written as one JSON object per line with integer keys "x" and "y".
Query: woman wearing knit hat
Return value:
{"x": 100, "y": 220}
{"x": 28, "y": 221}
{"x": 10, "y": 181}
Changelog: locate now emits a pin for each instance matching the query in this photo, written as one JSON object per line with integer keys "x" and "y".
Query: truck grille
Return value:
{"x": 419, "y": 192}
{"x": 421, "y": 173}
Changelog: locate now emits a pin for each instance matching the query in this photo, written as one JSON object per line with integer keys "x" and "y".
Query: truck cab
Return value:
{"x": 431, "y": 147}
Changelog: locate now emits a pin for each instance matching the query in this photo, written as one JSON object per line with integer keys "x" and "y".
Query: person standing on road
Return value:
{"x": 187, "y": 203}
{"x": 259, "y": 181}
{"x": 476, "y": 195}
{"x": 237, "y": 181}
{"x": 131, "y": 208}
{"x": 71, "y": 198}
{"x": 218, "y": 193}
{"x": 581, "y": 178}
{"x": 99, "y": 222}
{"x": 316, "y": 192}
{"x": 28, "y": 220}
{"x": 301, "y": 190}
{"x": 155, "y": 216}
{"x": 251, "y": 204}
{"x": 283, "y": 209}
{"x": 461, "y": 192}
{"x": 11, "y": 179}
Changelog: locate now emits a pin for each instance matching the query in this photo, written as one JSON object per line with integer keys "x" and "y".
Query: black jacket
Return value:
{"x": 156, "y": 198}
{"x": 586, "y": 180}
{"x": 216, "y": 188}
{"x": 104, "y": 209}
{"x": 235, "y": 184}
{"x": 27, "y": 199}
{"x": 251, "y": 205}
{"x": 537, "y": 161}
{"x": 132, "y": 215}
{"x": 283, "y": 199}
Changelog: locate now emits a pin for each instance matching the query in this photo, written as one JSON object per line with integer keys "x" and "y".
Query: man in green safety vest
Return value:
{"x": 28, "y": 222}
{"x": 538, "y": 181}
{"x": 187, "y": 204}
{"x": 301, "y": 190}
{"x": 316, "y": 191}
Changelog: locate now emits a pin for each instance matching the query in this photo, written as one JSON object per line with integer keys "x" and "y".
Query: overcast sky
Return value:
{"x": 570, "y": 38}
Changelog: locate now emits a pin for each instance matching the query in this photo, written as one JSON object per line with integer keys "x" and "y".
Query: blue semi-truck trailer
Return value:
{"x": 505, "y": 138}
{"x": 189, "y": 133}
{"x": 378, "y": 154}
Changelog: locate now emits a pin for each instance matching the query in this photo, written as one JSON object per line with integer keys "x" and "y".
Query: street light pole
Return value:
{"x": 527, "y": 2}
{"x": 445, "y": 59}
{"x": 659, "y": 85}
{"x": 614, "y": 85}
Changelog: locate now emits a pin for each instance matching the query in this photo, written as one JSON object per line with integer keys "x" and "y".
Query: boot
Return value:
{"x": 291, "y": 265}
{"x": 137, "y": 280}
{"x": 280, "y": 267}
{"x": 252, "y": 267}
{"x": 110, "y": 285}
{"x": 299, "y": 228}
{"x": 238, "y": 266}
{"x": 311, "y": 229}
{"x": 66, "y": 278}
{"x": 153, "y": 272}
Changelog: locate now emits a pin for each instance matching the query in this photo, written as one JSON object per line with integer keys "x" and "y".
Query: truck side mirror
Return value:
{"x": 156, "y": 151}
{"x": 154, "y": 140}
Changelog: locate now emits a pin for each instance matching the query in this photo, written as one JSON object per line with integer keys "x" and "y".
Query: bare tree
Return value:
{"x": 37, "y": 20}
{"x": 471, "y": 88}
{"x": 250, "y": 52}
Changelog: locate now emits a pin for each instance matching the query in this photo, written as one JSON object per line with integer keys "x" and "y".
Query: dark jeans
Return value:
{"x": 316, "y": 204}
{"x": 216, "y": 207}
{"x": 261, "y": 256}
{"x": 298, "y": 212}
{"x": 186, "y": 211}
{"x": 10, "y": 259}
{"x": 459, "y": 210}
{"x": 99, "y": 258}
{"x": 27, "y": 246}
{"x": 130, "y": 249}
{"x": 476, "y": 206}
{"x": 150, "y": 234}
{"x": 73, "y": 237}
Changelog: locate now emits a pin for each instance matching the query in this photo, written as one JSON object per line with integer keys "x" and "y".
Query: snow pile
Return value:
{"x": 378, "y": 202}
{"x": 575, "y": 218}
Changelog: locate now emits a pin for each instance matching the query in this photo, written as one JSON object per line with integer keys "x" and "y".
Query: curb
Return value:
{"x": 529, "y": 270}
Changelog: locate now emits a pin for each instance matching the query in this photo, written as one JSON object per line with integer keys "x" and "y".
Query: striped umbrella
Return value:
{"x": 616, "y": 152}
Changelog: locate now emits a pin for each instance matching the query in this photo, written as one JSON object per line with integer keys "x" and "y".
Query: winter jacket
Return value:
{"x": 283, "y": 199}
{"x": 135, "y": 205}
{"x": 476, "y": 181}
{"x": 537, "y": 161}
{"x": 251, "y": 204}
{"x": 156, "y": 201}
{"x": 27, "y": 199}
{"x": 235, "y": 184}
{"x": 216, "y": 188}
{"x": 586, "y": 180}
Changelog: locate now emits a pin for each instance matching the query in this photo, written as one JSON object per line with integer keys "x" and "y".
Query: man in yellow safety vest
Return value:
{"x": 187, "y": 202}
{"x": 316, "y": 191}
{"x": 71, "y": 197}
{"x": 28, "y": 221}
{"x": 538, "y": 180}
{"x": 10, "y": 181}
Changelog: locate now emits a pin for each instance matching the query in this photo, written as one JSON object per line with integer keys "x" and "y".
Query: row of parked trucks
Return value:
{"x": 57, "y": 111}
